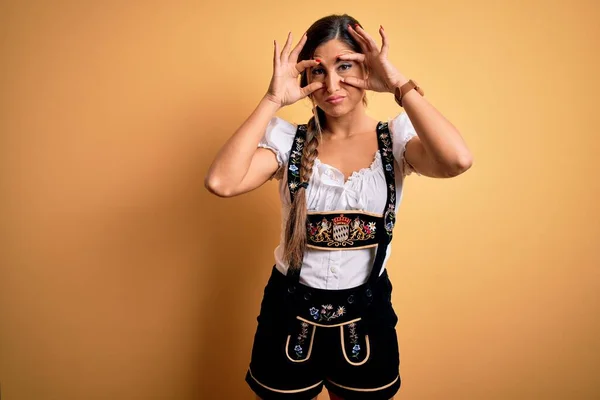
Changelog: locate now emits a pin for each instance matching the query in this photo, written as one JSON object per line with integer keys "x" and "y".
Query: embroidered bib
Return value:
{"x": 347, "y": 229}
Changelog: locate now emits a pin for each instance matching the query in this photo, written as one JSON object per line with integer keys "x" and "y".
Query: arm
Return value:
{"x": 439, "y": 150}
{"x": 241, "y": 166}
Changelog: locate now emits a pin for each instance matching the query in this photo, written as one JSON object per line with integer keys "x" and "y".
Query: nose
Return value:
{"x": 332, "y": 82}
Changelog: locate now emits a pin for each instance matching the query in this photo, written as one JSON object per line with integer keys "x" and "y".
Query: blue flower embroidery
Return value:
{"x": 298, "y": 349}
{"x": 388, "y": 167}
{"x": 314, "y": 312}
{"x": 354, "y": 340}
{"x": 293, "y": 168}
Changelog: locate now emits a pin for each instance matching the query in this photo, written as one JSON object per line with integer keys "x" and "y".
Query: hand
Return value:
{"x": 285, "y": 86}
{"x": 383, "y": 76}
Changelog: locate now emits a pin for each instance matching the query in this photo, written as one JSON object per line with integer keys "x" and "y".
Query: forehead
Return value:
{"x": 332, "y": 48}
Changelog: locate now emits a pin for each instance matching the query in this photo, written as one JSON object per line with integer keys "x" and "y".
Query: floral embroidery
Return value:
{"x": 388, "y": 158}
{"x": 327, "y": 313}
{"x": 390, "y": 219}
{"x": 300, "y": 341}
{"x": 341, "y": 230}
{"x": 296, "y": 159}
{"x": 354, "y": 340}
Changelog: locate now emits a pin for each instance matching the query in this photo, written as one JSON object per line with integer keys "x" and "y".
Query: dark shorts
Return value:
{"x": 296, "y": 362}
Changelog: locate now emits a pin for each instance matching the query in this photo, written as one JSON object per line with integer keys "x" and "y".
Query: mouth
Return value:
{"x": 335, "y": 99}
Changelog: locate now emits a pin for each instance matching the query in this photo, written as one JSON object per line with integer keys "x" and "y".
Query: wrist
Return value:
{"x": 271, "y": 102}
{"x": 399, "y": 81}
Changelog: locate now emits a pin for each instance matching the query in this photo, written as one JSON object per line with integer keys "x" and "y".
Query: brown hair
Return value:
{"x": 320, "y": 32}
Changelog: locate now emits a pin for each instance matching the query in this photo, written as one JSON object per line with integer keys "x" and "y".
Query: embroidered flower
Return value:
{"x": 300, "y": 341}
{"x": 388, "y": 167}
{"x": 327, "y": 313}
{"x": 314, "y": 312}
{"x": 354, "y": 340}
{"x": 293, "y": 168}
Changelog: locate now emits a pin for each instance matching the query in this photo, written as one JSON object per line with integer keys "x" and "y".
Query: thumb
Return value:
{"x": 356, "y": 82}
{"x": 309, "y": 89}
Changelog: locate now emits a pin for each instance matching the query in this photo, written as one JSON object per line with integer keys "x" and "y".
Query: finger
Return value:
{"x": 294, "y": 54}
{"x": 371, "y": 42}
{"x": 275, "y": 54}
{"x": 356, "y": 82}
{"x": 302, "y": 65}
{"x": 309, "y": 89}
{"x": 361, "y": 41}
{"x": 286, "y": 48}
{"x": 359, "y": 57}
{"x": 384, "y": 42}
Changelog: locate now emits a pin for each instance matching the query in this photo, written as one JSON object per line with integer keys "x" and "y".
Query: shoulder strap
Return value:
{"x": 387, "y": 157}
{"x": 295, "y": 160}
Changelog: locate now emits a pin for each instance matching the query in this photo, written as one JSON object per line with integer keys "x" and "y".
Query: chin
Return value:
{"x": 335, "y": 110}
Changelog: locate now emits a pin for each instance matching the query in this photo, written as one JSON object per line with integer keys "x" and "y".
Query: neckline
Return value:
{"x": 354, "y": 174}
{"x": 361, "y": 171}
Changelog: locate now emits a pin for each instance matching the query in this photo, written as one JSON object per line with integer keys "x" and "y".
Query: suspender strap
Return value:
{"x": 384, "y": 236}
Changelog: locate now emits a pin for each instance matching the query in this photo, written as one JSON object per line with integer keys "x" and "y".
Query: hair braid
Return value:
{"x": 295, "y": 231}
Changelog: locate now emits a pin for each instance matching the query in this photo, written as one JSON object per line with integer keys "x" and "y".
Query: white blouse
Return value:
{"x": 364, "y": 190}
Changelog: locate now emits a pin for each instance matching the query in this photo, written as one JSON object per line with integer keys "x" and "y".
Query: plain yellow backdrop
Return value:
{"x": 121, "y": 277}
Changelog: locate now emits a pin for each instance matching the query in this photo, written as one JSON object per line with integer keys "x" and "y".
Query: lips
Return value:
{"x": 335, "y": 99}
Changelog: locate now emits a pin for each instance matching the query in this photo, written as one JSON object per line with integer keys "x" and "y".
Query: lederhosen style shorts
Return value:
{"x": 294, "y": 359}
{"x": 345, "y": 339}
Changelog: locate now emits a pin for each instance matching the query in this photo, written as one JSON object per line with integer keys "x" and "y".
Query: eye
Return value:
{"x": 317, "y": 71}
{"x": 345, "y": 67}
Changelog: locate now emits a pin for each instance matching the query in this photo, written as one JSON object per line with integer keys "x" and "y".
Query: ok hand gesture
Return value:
{"x": 285, "y": 87}
{"x": 383, "y": 76}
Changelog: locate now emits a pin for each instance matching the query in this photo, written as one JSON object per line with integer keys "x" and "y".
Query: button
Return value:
{"x": 368, "y": 293}
{"x": 291, "y": 289}
{"x": 334, "y": 269}
{"x": 307, "y": 296}
{"x": 351, "y": 299}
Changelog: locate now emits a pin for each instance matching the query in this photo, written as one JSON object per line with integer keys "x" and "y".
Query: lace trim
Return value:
{"x": 407, "y": 167}
{"x": 375, "y": 164}
{"x": 274, "y": 150}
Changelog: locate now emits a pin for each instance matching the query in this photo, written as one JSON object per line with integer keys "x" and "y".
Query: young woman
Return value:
{"x": 326, "y": 317}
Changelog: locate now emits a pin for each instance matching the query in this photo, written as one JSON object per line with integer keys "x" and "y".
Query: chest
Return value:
{"x": 348, "y": 155}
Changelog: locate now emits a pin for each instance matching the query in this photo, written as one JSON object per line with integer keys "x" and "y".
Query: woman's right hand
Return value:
{"x": 285, "y": 86}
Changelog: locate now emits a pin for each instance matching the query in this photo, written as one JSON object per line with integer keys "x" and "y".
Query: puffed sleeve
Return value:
{"x": 402, "y": 130}
{"x": 279, "y": 137}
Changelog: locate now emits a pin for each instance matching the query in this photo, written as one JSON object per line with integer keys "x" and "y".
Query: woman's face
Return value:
{"x": 336, "y": 98}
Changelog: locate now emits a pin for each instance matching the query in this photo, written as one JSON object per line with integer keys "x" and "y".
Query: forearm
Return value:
{"x": 233, "y": 160}
{"x": 441, "y": 140}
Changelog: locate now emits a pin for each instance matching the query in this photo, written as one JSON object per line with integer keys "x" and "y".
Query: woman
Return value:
{"x": 326, "y": 317}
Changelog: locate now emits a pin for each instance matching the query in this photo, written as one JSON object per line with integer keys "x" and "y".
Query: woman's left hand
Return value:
{"x": 383, "y": 76}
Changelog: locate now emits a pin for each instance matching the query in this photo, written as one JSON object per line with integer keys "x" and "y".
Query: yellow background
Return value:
{"x": 123, "y": 278}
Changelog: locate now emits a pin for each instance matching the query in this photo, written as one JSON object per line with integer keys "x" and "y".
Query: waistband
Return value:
{"x": 329, "y": 307}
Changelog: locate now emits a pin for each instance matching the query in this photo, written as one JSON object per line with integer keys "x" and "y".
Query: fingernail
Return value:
{"x": 318, "y": 60}
{"x": 356, "y": 26}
